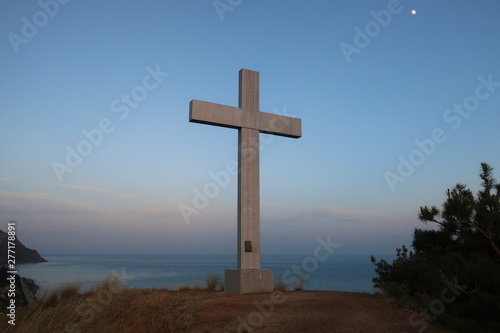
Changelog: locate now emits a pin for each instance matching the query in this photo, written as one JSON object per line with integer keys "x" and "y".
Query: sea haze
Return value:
{"x": 352, "y": 273}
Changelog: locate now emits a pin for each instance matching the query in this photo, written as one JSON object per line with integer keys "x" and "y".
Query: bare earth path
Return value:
{"x": 303, "y": 311}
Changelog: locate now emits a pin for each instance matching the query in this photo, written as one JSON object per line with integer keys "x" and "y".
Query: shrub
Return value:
{"x": 458, "y": 264}
{"x": 214, "y": 281}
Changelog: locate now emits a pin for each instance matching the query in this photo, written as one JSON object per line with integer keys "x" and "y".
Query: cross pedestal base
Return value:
{"x": 245, "y": 281}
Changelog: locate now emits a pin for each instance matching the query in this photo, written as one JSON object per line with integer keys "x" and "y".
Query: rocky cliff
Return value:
{"x": 22, "y": 254}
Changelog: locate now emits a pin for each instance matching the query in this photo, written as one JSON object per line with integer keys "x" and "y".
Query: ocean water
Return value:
{"x": 339, "y": 272}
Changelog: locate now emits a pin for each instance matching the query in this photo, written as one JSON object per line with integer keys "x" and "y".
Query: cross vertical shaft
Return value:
{"x": 248, "y": 177}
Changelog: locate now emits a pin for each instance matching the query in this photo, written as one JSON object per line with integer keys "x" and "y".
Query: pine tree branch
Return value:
{"x": 487, "y": 234}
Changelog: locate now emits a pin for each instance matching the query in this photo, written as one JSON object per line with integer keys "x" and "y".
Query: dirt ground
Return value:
{"x": 304, "y": 311}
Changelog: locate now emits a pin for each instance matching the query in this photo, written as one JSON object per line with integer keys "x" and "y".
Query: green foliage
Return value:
{"x": 452, "y": 276}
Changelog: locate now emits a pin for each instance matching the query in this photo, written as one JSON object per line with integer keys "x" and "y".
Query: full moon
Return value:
{"x": 413, "y": 11}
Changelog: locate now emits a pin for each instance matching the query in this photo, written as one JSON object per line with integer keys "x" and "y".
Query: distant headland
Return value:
{"x": 24, "y": 255}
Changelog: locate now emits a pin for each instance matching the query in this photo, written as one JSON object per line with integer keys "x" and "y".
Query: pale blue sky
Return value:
{"x": 363, "y": 101}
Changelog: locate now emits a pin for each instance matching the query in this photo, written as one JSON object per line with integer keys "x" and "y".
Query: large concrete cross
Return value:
{"x": 248, "y": 277}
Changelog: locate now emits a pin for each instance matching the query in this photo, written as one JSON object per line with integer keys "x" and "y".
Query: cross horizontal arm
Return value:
{"x": 232, "y": 117}
{"x": 217, "y": 114}
{"x": 271, "y": 123}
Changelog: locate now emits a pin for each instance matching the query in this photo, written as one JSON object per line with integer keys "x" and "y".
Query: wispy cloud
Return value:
{"x": 59, "y": 222}
{"x": 333, "y": 217}
{"x": 8, "y": 179}
{"x": 95, "y": 189}
{"x": 86, "y": 188}
{"x": 56, "y": 224}
{"x": 32, "y": 200}
{"x": 339, "y": 214}
{"x": 27, "y": 195}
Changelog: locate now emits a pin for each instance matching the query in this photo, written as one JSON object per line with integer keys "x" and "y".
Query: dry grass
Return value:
{"x": 107, "y": 308}
{"x": 62, "y": 294}
{"x": 187, "y": 287}
{"x": 214, "y": 282}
